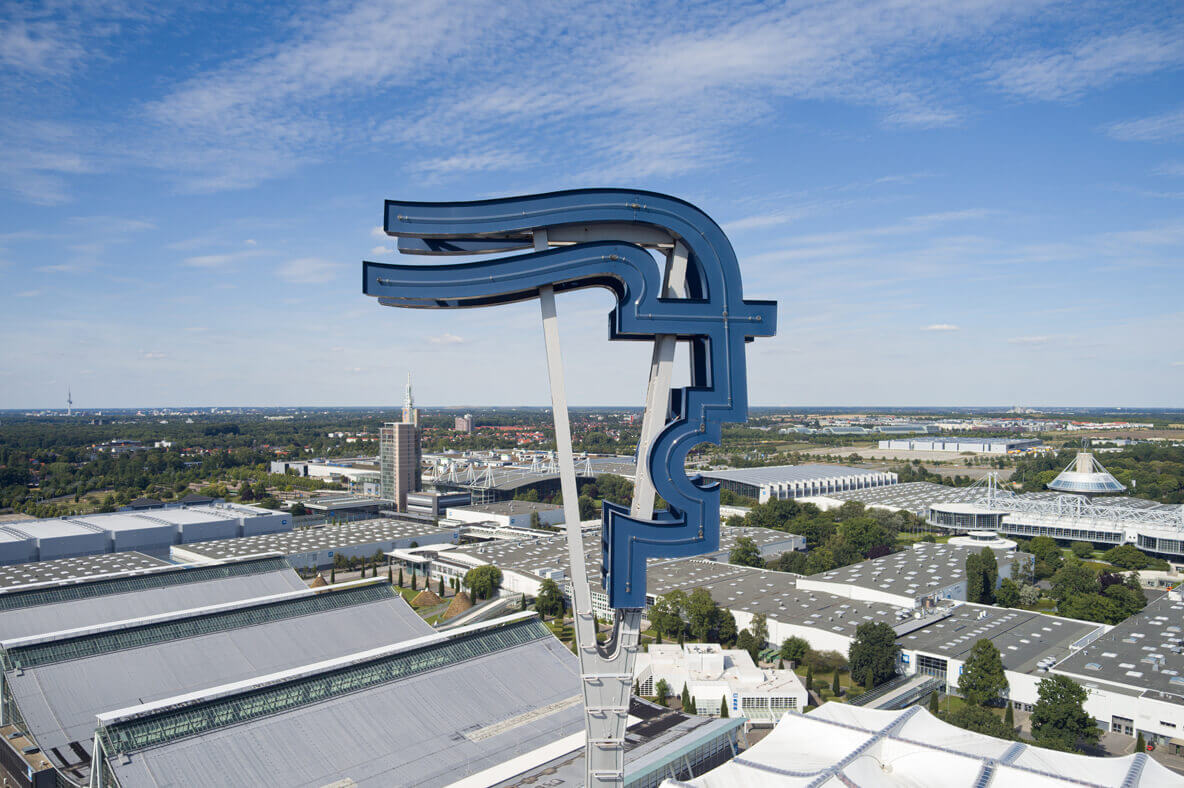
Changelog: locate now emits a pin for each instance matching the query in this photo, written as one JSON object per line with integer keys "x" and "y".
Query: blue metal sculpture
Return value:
{"x": 714, "y": 319}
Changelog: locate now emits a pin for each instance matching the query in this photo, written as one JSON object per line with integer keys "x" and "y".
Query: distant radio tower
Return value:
{"x": 69, "y": 402}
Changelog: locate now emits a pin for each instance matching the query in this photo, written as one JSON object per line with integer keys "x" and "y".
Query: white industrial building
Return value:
{"x": 797, "y": 481}
{"x": 151, "y": 531}
{"x": 839, "y": 745}
{"x": 518, "y": 514}
{"x": 715, "y": 675}
{"x": 961, "y": 445}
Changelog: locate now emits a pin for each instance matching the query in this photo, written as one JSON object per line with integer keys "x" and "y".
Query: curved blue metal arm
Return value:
{"x": 714, "y": 319}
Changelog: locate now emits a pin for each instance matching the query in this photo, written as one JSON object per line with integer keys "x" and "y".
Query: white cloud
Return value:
{"x": 446, "y": 339}
{"x": 153, "y": 355}
{"x": 46, "y": 40}
{"x": 463, "y": 163}
{"x": 379, "y": 233}
{"x": 1090, "y": 64}
{"x": 109, "y": 225}
{"x": 941, "y": 327}
{"x": 1036, "y": 340}
{"x": 586, "y": 104}
{"x": 309, "y": 270}
{"x": 1178, "y": 363}
{"x": 28, "y": 294}
{"x": 383, "y": 250}
{"x": 220, "y": 260}
{"x": 1171, "y": 168}
{"x": 1155, "y": 128}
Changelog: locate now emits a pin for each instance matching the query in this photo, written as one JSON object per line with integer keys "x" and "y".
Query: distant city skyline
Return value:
{"x": 953, "y": 204}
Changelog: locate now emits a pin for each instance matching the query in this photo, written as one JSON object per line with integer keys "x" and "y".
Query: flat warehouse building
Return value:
{"x": 80, "y": 568}
{"x": 1135, "y": 674}
{"x": 526, "y": 564}
{"x": 153, "y": 531}
{"x": 797, "y": 481}
{"x": 963, "y": 445}
{"x": 925, "y": 575}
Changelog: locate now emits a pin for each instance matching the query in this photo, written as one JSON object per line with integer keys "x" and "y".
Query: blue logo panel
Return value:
{"x": 714, "y": 319}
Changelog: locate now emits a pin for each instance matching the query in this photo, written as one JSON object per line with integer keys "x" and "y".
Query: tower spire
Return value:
{"x": 69, "y": 402}
{"x": 410, "y": 414}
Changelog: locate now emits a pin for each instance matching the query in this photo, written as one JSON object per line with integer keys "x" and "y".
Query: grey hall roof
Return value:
{"x": 486, "y": 703}
{"x": 62, "y": 684}
{"x": 71, "y": 605}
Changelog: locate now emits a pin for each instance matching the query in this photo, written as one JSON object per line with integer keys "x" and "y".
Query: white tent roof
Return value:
{"x": 838, "y": 745}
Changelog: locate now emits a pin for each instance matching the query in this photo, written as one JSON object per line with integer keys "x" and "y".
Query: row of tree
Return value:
{"x": 1059, "y": 720}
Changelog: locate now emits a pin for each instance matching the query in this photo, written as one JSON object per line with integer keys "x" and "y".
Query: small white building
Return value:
{"x": 713, "y": 674}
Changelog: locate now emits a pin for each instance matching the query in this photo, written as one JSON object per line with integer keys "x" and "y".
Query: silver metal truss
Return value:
{"x": 1079, "y": 507}
{"x": 606, "y": 670}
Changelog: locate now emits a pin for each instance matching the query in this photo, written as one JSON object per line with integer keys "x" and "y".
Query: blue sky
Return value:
{"x": 962, "y": 203}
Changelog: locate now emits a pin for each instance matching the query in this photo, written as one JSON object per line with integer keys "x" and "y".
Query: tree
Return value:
{"x": 809, "y": 678}
{"x": 1140, "y": 743}
{"x": 723, "y": 707}
{"x": 760, "y": 629}
{"x": 413, "y": 576}
{"x": 483, "y": 581}
{"x": 1059, "y": 720}
{"x": 1046, "y": 549}
{"x": 974, "y": 578}
{"x": 820, "y": 560}
{"x": 1127, "y": 556}
{"x": 990, "y": 574}
{"x": 726, "y": 628}
{"x": 1072, "y": 579}
{"x": 333, "y": 575}
{"x": 794, "y": 649}
{"x": 549, "y": 602}
{"x": 390, "y": 574}
{"x": 1082, "y": 550}
{"x": 685, "y": 700}
{"x": 982, "y": 679}
{"x": 1029, "y": 595}
{"x": 748, "y": 642}
{"x": 933, "y": 703}
{"x": 1008, "y": 594}
{"x": 691, "y": 708}
{"x": 873, "y": 654}
{"x": 662, "y": 691}
{"x": 835, "y": 688}
{"x": 1009, "y": 717}
{"x": 746, "y": 553}
{"x": 666, "y": 613}
{"x": 980, "y": 720}
{"x": 1093, "y": 607}
{"x": 440, "y": 586}
{"x": 701, "y": 613}
{"x": 400, "y": 577}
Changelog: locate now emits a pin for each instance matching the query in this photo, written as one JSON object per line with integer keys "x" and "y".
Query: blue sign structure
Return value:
{"x": 714, "y": 319}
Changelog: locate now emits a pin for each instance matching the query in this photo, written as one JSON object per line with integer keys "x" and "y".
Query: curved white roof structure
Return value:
{"x": 1086, "y": 476}
{"x": 838, "y": 745}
